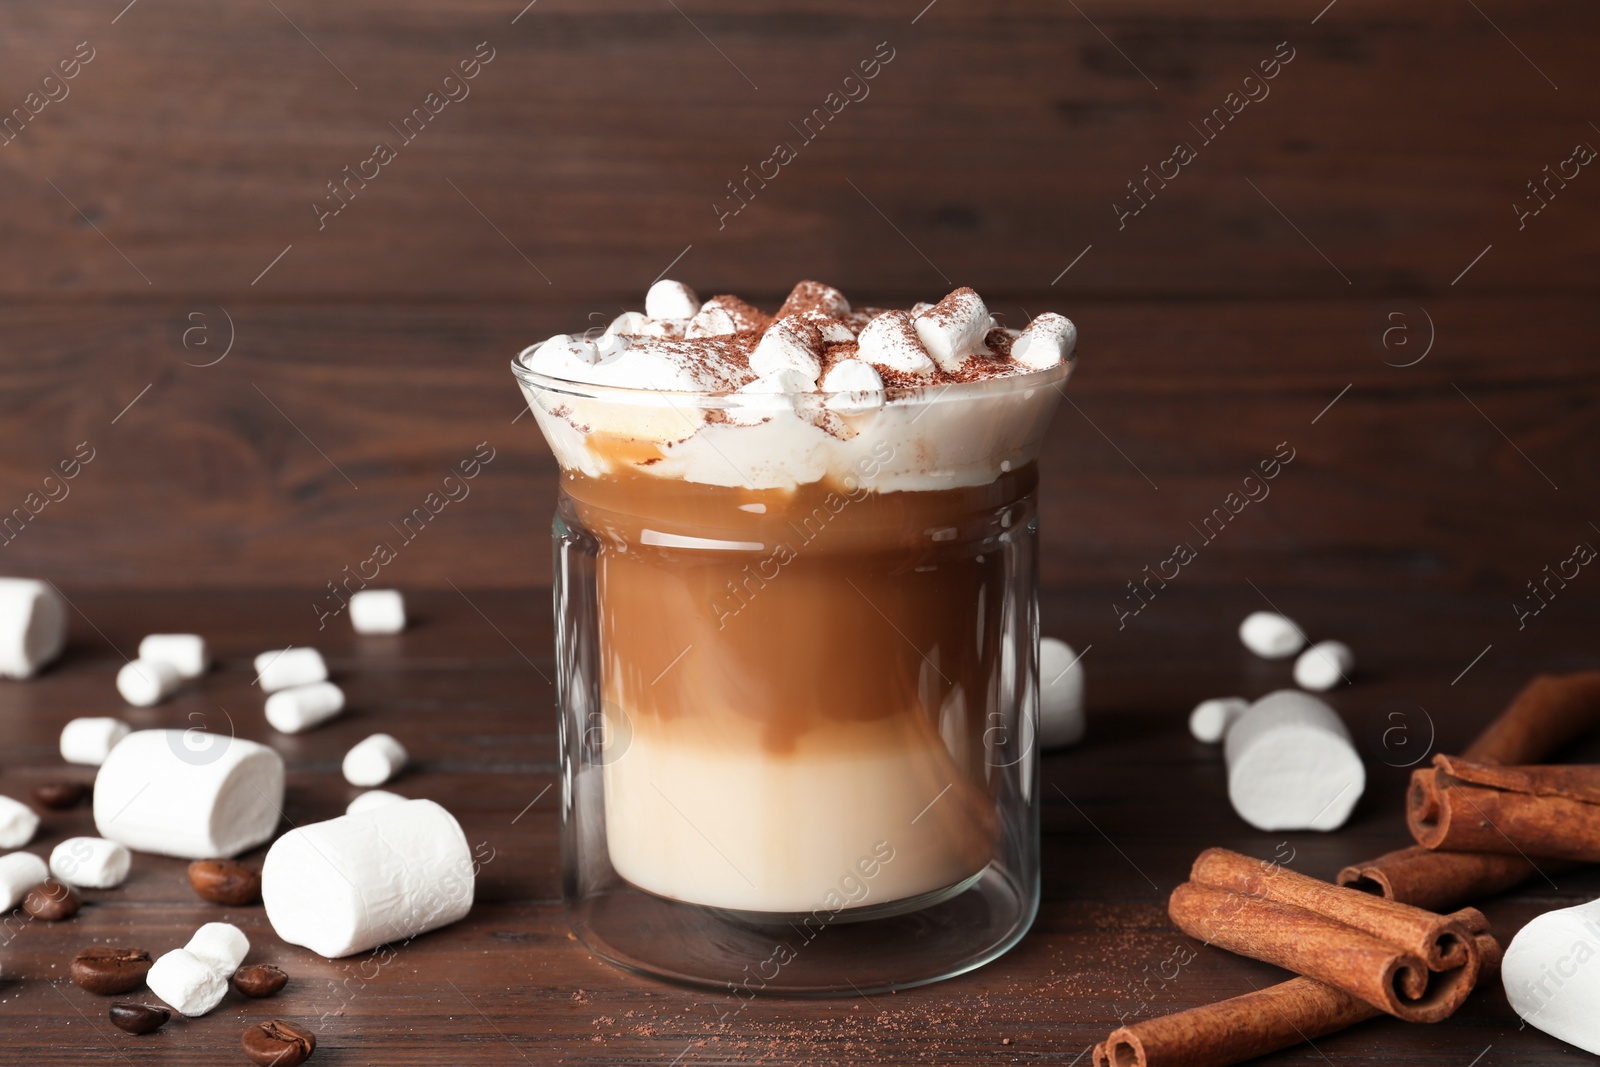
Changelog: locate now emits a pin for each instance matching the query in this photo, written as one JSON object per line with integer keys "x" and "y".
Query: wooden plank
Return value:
{"x": 598, "y": 143}
{"x": 1123, "y": 817}
{"x": 299, "y": 452}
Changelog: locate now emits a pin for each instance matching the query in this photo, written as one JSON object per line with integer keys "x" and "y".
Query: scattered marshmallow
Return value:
{"x": 1324, "y": 665}
{"x": 33, "y": 626}
{"x": 159, "y": 792}
{"x": 18, "y": 823}
{"x": 19, "y": 872}
{"x": 954, "y": 328}
{"x": 1210, "y": 719}
{"x": 789, "y": 344}
{"x": 90, "y": 862}
{"x": 1048, "y": 340}
{"x": 1550, "y": 978}
{"x": 289, "y": 667}
{"x": 667, "y": 299}
{"x": 89, "y": 741}
{"x": 186, "y": 652}
{"x": 890, "y": 341}
{"x": 359, "y": 881}
{"x": 222, "y": 946}
{"x": 146, "y": 682}
{"x": 1291, "y": 765}
{"x": 296, "y": 710}
{"x": 374, "y": 761}
{"x": 191, "y": 985}
{"x": 1270, "y": 635}
{"x": 378, "y": 611}
{"x": 1061, "y": 719}
{"x": 372, "y": 799}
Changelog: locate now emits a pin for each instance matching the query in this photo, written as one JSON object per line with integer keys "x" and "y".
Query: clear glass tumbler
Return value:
{"x": 796, "y": 640}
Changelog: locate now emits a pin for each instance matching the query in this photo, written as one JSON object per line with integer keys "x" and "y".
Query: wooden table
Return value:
{"x": 466, "y": 687}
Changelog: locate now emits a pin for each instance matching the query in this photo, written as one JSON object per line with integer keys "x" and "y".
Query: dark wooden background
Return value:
{"x": 160, "y": 215}
{"x": 589, "y": 156}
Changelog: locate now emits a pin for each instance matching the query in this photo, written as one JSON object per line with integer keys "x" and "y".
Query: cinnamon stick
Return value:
{"x": 1436, "y": 880}
{"x": 1442, "y": 941}
{"x": 1532, "y": 812}
{"x": 1263, "y": 1021}
{"x": 1550, "y": 711}
{"x": 1317, "y": 946}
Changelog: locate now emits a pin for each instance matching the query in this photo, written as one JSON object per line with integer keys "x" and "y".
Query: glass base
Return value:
{"x": 896, "y": 945}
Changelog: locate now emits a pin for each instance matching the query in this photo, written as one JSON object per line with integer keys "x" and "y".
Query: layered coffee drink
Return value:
{"x": 812, "y": 673}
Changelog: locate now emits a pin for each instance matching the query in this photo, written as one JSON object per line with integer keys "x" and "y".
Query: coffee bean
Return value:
{"x": 58, "y": 796}
{"x": 259, "y": 980}
{"x": 278, "y": 1044}
{"x": 52, "y": 902}
{"x": 225, "y": 882}
{"x": 108, "y": 971}
{"x": 139, "y": 1018}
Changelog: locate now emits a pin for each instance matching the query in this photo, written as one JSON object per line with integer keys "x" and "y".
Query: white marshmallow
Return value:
{"x": 18, "y": 823}
{"x": 667, "y": 299}
{"x": 358, "y": 881}
{"x": 146, "y": 682}
{"x": 371, "y": 799}
{"x": 788, "y": 345}
{"x": 1324, "y": 665}
{"x": 90, "y": 862}
{"x": 818, "y": 298}
{"x": 378, "y": 611}
{"x": 33, "y": 626}
{"x": 19, "y": 872}
{"x": 164, "y": 791}
{"x": 293, "y": 711}
{"x": 1270, "y": 635}
{"x": 891, "y": 341}
{"x": 1061, "y": 718}
{"x": 1291, "y": 765}
{"x": 1551, "y": 977}
{"x": 711, "y": 321}
{"x": 629, "y": 322}
{"x": 562, "y": 356}
{"x": 222, "y": 946}
{"x": 1210, "y": 719}
{"x": 186, "y": 652}
{"x": 855, "y": 386}
{"x": 89, "y": 741}
{"x": 189, "y": 984}
{"x": 374, "y": 761}
{"x": 289, "y": 667}
{"x": 954, "y": 328}
{"x": 1048, "y": 340}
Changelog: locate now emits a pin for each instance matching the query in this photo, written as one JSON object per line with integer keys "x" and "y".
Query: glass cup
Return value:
{"x": 796, "y": 644}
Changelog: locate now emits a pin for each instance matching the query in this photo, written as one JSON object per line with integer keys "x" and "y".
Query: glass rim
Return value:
{"x": 930, "y": 393}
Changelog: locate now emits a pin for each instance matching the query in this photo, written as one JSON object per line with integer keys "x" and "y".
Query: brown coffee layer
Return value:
{"x": 769, "y": 619}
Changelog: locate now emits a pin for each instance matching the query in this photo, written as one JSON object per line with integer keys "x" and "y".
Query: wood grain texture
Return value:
{"x": 1124, "y": 817}
{"x": 597, "y": 142}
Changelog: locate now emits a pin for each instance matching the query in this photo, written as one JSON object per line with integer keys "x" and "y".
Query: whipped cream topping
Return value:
{"x": 792, "y": 397}
{"x": 723, "y": 344}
